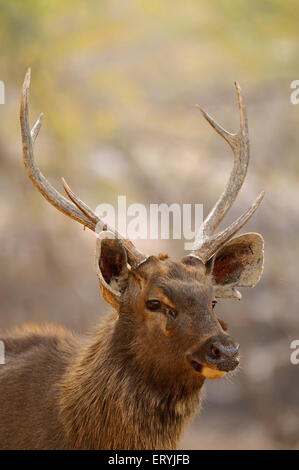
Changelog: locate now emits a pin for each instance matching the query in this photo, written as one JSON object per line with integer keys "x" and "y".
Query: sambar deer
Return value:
{"x": 137, "y": 379}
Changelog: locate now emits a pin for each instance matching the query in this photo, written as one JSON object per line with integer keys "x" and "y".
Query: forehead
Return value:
{"x": 178, "y": 281}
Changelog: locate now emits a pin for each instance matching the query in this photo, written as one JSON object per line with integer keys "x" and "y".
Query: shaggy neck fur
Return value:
{"x": 116, "y": 397}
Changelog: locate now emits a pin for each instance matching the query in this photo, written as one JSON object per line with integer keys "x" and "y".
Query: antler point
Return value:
{"x": 27, "y": 78}
{"x": 197, "y": 106}
{"x": 260, "y": 196}
{"x": 65, "y": 185}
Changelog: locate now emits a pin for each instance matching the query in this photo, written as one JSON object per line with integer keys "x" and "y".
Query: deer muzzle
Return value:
{"x": 217, "y": 356}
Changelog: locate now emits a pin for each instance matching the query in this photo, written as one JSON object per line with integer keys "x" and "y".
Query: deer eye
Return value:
{"x": 153, "y": 305}
{"x": 214, "y": 302}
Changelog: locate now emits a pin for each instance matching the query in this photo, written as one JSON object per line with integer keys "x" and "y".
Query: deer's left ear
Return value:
{"x": 239, "y": 263}
{"x": 111, "y": 267}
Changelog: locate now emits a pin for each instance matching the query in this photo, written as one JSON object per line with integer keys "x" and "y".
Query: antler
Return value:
{"x": 75, "y": 208}
{"x": 206, "y": 243}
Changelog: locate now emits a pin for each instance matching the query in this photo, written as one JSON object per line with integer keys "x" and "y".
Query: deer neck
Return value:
{"x": 110, "y": 401}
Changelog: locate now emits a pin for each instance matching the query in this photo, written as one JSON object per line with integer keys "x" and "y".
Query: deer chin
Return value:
{"x": 210, "y": 373}
{"x": 207, "y": 372}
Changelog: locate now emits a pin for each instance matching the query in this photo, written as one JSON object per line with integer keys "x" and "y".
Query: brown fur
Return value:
{"x": 127, "y": 385}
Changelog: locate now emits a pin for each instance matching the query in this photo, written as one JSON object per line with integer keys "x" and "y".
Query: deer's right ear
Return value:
{"x": 111, "y": 267}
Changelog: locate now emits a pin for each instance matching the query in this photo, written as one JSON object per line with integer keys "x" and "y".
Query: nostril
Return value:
{"x": 222, "y": 352}
{"x": 215, "y": 352}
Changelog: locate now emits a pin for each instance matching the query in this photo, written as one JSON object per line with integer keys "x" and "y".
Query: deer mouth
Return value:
{"x": 217, "y": 356}
{"x": 213, "y": 367}
{"x": 211, "y": 373}
{"x": 207, "y": 371}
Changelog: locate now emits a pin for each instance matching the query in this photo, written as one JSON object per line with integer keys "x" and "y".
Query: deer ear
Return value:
{"x": 111, "y": 267}
{"x": 239, "y": 263}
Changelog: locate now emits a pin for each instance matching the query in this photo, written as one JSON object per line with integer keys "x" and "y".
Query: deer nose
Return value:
{"x": 222, "y": 352}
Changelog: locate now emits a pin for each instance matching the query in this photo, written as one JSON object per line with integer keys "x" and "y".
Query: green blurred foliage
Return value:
{"x": 113, "y": 56}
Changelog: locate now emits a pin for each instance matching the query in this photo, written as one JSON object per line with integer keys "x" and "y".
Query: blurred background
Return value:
{"x": 118, "y": 81}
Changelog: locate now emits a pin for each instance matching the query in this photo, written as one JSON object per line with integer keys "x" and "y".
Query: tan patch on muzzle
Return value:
{"x": 210, "y": 373}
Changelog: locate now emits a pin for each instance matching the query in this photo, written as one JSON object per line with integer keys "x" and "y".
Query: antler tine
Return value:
{"x": 36, "y": 128}
{"x": 240, "y": 145}
{"x": 80, "y": 204}
{"x": 206, "y": 243}
{"x": 134, "y": 255}
{"x": 75, "y": 208}
{"x": 211, "y": 245}
{"x": 34, "y": 173}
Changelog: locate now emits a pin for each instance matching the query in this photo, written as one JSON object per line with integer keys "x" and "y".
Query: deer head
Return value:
{"x": 170, "y": 303}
